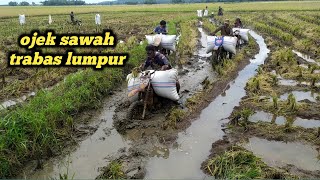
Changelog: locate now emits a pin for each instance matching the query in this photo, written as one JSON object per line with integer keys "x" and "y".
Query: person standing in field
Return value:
{"x": 220, "y": 13}
{"x": 72, "y": 17}
{"x": 238, "y": 23}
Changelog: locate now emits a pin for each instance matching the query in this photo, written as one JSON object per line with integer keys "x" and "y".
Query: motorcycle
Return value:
{"x": 219, "y": 53}
{"x": 146, "y": 96}
{"x": 239, "y": 40}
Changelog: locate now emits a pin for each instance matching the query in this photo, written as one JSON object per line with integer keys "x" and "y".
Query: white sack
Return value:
{"x": 133, "y": 82}
{"x": 22, "y": 19}
{"x": 205, "y": 13}
{"x": 167, "y": 41}
{"x": 98, "y": 19}
{"x": 210, "y": 43}
{"x": 229, "y": 44}
{"x": 242, "y": 32}
{"x": 50, "y": 19}
{"x": 164, "y": 84}
{"x": 199, "y": 13}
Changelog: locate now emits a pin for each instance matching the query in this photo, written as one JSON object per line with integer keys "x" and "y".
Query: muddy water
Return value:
{"x": 9, "y": 103}
{"x": 291, "y": 82}
{"x": 195, "y": 143}
{"x": 301, "y": 95}
{"x": 85, "y": 160}
{"x": 306, "y": 57}
{"x": 278, "y": 154}
{"x": 281, "y": 120}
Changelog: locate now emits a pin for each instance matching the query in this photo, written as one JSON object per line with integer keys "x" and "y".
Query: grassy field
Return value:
{"x": 43, "y": 123}
{"x": 238, "y": 7}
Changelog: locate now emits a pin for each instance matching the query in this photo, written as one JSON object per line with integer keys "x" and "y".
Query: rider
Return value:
{"x": 156, "y": 61}
{"x": 162, "y": 29}
{"x": 226, "y": 30}
{"x": 238, "y": 23}
{"x": 220, "y": 13}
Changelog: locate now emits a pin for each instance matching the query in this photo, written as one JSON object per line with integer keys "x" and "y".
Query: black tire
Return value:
{"x": 134, "y": 107}
{"x": 214, "y": 58}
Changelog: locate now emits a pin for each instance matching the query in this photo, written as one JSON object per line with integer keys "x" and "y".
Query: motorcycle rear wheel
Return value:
{"x": 135, "y": 110}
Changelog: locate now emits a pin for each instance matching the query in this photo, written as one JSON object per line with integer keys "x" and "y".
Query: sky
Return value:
{"x": 4, "y": 2}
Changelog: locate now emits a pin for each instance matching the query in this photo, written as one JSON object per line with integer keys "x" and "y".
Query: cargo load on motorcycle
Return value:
{"x": 163, "y": 83}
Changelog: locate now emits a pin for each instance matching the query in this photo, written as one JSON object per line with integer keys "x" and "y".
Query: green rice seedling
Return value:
{"x": 175, "y": 116}
{"x": 259, "y": 70}
{"x": 254, "y": 85}
{"x": 238, "y": 163}
{"x": 299, "y": 76}
{"x": 288, "y": 124}
{"x": 313, "y": 82}
{"x": 275, "y": 101}
{"x": 113, "y": 171}
{"x": 275, "y": 80}
{"x": 246, "y": 113}
{"x": 291, "y": 102}
{"x": 318, "y": 98}
{"x": 312, "y": 68}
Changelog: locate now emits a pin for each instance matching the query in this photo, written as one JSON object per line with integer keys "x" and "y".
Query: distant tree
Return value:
{"x": 24, "y": 3}
{"x": 62, "y": 2}
{"x": 33, "y": 3}
{"x": 150, "y": 2}
{"x": 11, "y": 3}
{"x": 177, "y": 1}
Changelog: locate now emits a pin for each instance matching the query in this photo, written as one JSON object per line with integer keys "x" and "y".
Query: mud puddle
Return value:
{"x": 306, "y": 57}
{"x": 301, "y": 95}
{"x": 85, "y": 160}
{"x": 291, "y": 82}
{"x": 195, "y": 143}
{"x": 14, "y": 102}
{"x": 281, "y": 120}
{"x": 279, "y": 154}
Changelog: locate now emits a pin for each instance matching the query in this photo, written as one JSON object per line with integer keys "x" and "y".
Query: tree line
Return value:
{"x": 50, "y": 3}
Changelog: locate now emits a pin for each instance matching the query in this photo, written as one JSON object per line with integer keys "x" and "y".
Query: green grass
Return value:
{"x": 113, "y": 171}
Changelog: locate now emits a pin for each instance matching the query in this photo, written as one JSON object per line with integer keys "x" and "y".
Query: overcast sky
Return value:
{"x": 2, "y": 2}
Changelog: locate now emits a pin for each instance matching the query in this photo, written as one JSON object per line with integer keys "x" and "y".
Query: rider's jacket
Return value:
{"x": 158, "y": 62}
{"x": 225, "y": 31}
{"x": 159, "y": 30}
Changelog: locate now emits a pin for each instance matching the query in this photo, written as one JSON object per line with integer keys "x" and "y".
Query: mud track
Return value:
{"x": 149, "y": 138}
{"x": 99, "y": 143}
